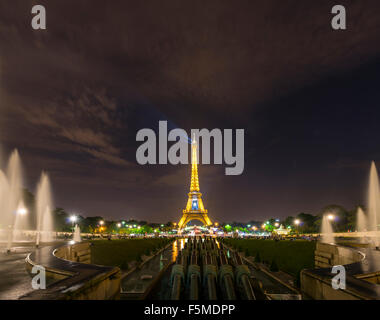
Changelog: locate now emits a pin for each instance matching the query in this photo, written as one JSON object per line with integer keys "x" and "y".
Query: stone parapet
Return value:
{"x": 73, "y": 277}
{"x": 361, "y": 266}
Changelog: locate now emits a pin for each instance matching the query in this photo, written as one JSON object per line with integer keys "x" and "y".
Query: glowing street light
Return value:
{"x": 119, "y": 225}
{"x": 330, "y": 217}
{"x": 22, "y": 211}
{"x": 263, "y": 226}
{"x": 73, "y": 219}
{"x": 297, "y": 222}
{"x": 101, "y": 222}
{"x": 276, "y": 224}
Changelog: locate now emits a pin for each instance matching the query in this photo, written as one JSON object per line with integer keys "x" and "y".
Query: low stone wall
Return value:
{"x": 76, "y": 279}
{"x": 327, "y": 255}
{"x": 78, "y": 252}
{"x": 356, "y": 234}
{"x": 316, "y": 283}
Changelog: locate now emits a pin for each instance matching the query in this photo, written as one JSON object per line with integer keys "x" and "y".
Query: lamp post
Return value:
{"x": 297, "y": 222}
{"x": 73, "y": 219}
{"x": 101, "y": 223}
{"x": 22, "y": 211}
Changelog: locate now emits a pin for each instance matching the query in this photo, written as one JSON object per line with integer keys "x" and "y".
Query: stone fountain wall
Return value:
{"x": 327, "y": 255}
{"x": 78, "y": 252}
{"x": 317, "y": 283}
{"x": 76, "y": 278}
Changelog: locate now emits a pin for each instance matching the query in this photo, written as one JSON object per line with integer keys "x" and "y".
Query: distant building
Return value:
{"x": 281, "y": 231}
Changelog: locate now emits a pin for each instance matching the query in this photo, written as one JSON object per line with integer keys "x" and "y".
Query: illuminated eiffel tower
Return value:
{"x": 194, "y": 208}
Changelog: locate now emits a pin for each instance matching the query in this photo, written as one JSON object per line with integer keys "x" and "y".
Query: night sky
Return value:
{"x": 72, "y": 98}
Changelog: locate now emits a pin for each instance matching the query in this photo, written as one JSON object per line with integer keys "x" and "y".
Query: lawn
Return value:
{"x": 120, "y": 252}
{"x": 290, "y": 256}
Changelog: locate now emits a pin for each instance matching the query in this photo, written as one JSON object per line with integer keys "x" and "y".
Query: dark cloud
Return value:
{"x": 73, "y": 97}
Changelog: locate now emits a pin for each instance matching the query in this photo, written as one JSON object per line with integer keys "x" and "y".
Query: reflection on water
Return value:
{"x": 175, "y": 251}
{"x": 217, "y": 243}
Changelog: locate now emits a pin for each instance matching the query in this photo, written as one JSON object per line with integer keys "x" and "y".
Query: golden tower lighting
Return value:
{"x": 194, "y": 208}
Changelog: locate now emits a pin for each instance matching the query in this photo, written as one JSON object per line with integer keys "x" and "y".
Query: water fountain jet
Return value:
{"x": 327, "y": 230}
{"x": 77, "y": 237}
{"x": 361, "y": 224}
{"x": 44, "y": 204}
{"x": 373, "y": 203}
{"x": 11, "y": 195}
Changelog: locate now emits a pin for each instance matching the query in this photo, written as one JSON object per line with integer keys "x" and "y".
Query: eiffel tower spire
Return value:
{"x": 194, "y": 185}
{"x": 194, "y": 208}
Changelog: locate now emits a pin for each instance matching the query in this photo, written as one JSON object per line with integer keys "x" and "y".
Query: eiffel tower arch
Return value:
{"x": 195, "y": 209}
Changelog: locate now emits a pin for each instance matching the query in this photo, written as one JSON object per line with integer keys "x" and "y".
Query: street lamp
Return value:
{"x": 73, "y": 219}
{"x": 119, "y": 225}
{"x": 297, "y": 222}
{"x": 22, "y": 211}
{"x": 330, "y": 217}
{"x": 101, "y": 222}
{"x": 276, "y": 224}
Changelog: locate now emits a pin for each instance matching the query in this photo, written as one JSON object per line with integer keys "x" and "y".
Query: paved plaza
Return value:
{"x": 14, "y": 279}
